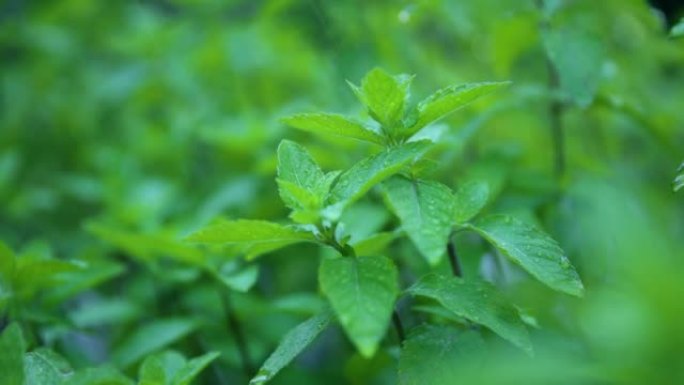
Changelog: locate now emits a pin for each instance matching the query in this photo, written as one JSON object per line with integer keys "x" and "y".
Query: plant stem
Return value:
{"x": 453, "y": 259}
{"x": 556, "y": 106}
{"x": 398, "y": 326}
{"x": 238, "y": 334}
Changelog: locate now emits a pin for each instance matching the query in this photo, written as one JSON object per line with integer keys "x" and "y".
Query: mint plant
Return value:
{"x": 362, "y": 289}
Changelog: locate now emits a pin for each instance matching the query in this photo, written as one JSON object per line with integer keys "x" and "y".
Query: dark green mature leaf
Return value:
{"x": 432, "y": 355}
{"x": 678, "y": 183}
{"x": 362, "y": 292}
{"x": 356, "y": 181}
{"x": 293, "y": 344}
{"x": 252, "y": 237}
{"x": 333, "y": 125}
{"x": 12, "y": 356}
{"x": 45, "y": 367}
{"x": 425, "y": 210}
{"x": 187, "y": 373}
{"x": 576, "y": 56}
{"x": 98, "y": 376}
{"x": 384, "y": 95}
{"x": 533, "y": 250}
{"x": 448, "y": 100}
{"x": 150, "y": 338}
{"x": 478, "y": 302}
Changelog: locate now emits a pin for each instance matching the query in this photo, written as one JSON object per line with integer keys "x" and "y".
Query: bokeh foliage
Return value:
{"x": 124, "y": 126}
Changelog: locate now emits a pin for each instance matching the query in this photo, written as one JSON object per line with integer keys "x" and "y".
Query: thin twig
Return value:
{"x": 238, "y": 335}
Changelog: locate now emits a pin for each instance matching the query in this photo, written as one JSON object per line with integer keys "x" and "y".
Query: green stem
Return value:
{"x": 238, "y": 334}
{"x": 453, "y": 259}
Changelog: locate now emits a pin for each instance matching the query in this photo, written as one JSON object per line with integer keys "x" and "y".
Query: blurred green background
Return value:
{"x": 126, "y": 125}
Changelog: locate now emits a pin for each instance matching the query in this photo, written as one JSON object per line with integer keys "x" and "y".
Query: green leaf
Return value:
{"x": 7, "y": 262}
{"x": 333, "y": 125}
{"x": 449, "y": 99}
{"x": 45, "y": 367}
{"x": 433, "y": 355}
{"x": 678, "y": 29}
{"x": 678, "y": 183}
{"x": 298, "y": 176}
{"x": 425, "y": 210}
{"x": 147, "y": 247}
{"x": 362, "y": 292}
{"x": 356, "y": 181}
{"x": 576, "y": 55}
{"x": 384, "y": 95}
{"x": 252, "y": 237}
{"x": 477, "y": 301}
{"x": 533, "y": 250}
{"x": 292, "y": 345}
{"x": 150, "y": 338}
{"x": 192, "y": 368}
{"x": 376, "y": 243}
{"x": 469, "y": 200}
{"x": 98, "y": 376}
{"x": 152, "y": 371}
{"x": 240, "y": 279}
{"x": 12, "y": 356}
{"x": 160, "y": 368}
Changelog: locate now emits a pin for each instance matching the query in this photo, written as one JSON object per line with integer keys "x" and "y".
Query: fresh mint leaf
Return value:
{"x": 333, "y": 125}
{"x": 385, "y": 96}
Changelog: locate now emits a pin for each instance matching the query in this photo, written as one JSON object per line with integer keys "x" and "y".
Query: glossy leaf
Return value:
{"x": 477, "y": 301}
{"x": 12, "y": 356}
{"x": 469, "y": 200}
{"x": 292, "y": 345}
{"x": 425, "y": 210}
{"x": 356, "y": 181}
{"x": 362, "y": 292}
{"x": 333, "y": 125}
{"x": 448, "y": 100}
{"x": 432, "y": 355}
{"x": 150, "y": 338}
{"x": 384, "y": 95}
{"x": 252, "y": 237}
{"x": 531, "y": 249}
{"x": 45, "y": 367}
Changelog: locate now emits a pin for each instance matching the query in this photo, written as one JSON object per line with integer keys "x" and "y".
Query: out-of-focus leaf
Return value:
{"x": 147, "y": 247}
{"x": 362, "y": 291}
{"x": 45, "y": 367}
{"x": 356, "y": 181}
{"x": 333, "y": 125}
{"x": 239, "y": 279}
{"x": 479, "y": 302}
{"x": 449, "y": 99}
{"x": 432, "y": 355}
{"x": 187, "y": 373}
{"x": 577, "y": 57}
{"x": 678, "y": 29}
{"x": 425, "y": 210}
{"x": 12, "y": 356}
{"x": 150, "y": 338}
{"x": 293, "y": 344}
{"x": 533, "y": 250}
{"x": 385, "y": 96}
{"x": 98, "y": 376}
{"x": 375, "y": 243}
{"x": 160, "y": 368}
{"x": 77, "y": 281}
{"x": 252, "y": 237}
{"x": 471, "y": 197}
